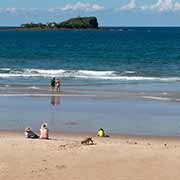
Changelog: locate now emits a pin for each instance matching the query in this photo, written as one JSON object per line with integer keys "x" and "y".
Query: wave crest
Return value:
{"x": 81, "y": 74}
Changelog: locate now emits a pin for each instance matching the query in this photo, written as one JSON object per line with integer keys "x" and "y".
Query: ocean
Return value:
{"x": 140, "y": 63}
{"x": 113, "y": 55}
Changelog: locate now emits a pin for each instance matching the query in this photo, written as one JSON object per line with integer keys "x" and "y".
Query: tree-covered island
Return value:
{"x": 73, "y": 23}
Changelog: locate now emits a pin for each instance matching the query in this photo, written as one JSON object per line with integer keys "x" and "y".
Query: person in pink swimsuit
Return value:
{"x": 58, "y": 83}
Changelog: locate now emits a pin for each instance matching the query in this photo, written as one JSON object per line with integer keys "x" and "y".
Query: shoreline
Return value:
{"x": 19, "y": 133}
{"x": 51, "y": 29}
{"x": 101, "y": 28}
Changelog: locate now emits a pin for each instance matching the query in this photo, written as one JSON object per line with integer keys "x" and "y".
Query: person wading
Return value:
{"x": 53, "y": 83}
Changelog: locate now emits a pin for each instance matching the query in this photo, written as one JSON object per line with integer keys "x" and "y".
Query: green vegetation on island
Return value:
{"x": 73, "y": 23}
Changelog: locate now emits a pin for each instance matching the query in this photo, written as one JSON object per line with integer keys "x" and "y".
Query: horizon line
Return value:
{"x": 116, "y": 26}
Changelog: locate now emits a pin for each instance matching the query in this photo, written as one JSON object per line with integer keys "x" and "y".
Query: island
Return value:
{"x": 73, "y": 23}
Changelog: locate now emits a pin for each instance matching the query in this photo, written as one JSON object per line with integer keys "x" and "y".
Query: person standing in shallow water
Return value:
{"x": 53, "y": 83}
{"x": 58, "y": 85}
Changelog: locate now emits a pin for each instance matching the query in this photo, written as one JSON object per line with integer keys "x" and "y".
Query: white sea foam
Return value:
{"x": 82, "y": 74}
{"x": 132, "y": 78}
{"x": 55, "y": 73}
{"x": 157, "y": 98}
{"x": 33, "y": 87}
{"x": 5, "y": 69}
{"x": 44, "y": 72}
{"x": 96, "y": 73}
{"x": 160, "y": 98}
{"x": 129, "y": 72}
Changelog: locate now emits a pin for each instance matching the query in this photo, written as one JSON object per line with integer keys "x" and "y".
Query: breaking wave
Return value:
{"x": 81, "y": 74}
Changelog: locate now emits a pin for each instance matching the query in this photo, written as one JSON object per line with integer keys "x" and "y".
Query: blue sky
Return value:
{"x": 108, "y": 12}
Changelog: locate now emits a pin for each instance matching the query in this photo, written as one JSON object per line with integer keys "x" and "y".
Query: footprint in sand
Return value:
{"x": 60, "y": 167}
{"x": 2, "y": 166}
{"x": 14, "y": 145}
{"x": 130, "y": 142}
{"x": 68, "y": 146}
{"x": 38, "y": 171}
{"x": 62, "y": 147}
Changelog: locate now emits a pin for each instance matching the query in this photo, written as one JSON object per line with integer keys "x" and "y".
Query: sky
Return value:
{"x": 108, "y": 12}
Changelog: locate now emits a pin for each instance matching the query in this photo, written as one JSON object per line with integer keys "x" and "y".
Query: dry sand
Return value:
{"x": 63, "y": 157}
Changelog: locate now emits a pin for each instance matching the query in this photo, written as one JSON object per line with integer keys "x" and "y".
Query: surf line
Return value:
{"x": 160, "y": 98}
{"x": 47, "y": 95}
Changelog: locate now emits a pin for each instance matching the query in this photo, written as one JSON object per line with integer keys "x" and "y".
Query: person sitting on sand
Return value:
{"x": 44, "y": 131}
{"x": 30, "y": 134}
{"x": 101, "y": 133}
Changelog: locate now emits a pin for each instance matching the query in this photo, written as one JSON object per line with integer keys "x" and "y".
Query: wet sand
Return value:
{"x": 64, "y": 157}
{"x": 87, "y": 111}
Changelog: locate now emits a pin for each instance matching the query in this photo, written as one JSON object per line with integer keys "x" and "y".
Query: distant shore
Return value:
{"x": 101, "y": 28}
{"x": 51, "y": 29}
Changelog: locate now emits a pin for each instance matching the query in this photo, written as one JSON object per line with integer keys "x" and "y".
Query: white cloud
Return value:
{"x": 13, "y": 10}
{"x": 130, "y": 6}
{"x": 78, "y": 6}
{"x": 163, "y": 6}
{"x": 177, "y": 6}
{"x": 144, "y": 7}
{"x": 10, "y": 10}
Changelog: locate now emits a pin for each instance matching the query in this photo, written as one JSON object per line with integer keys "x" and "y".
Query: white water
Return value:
{"x": 80, "y": 74}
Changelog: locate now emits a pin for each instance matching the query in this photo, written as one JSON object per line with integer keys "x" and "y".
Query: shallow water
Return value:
{"x": 87, "y": 114}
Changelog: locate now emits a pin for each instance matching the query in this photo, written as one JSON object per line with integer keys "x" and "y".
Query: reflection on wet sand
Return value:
{"x": 55, "y": 100}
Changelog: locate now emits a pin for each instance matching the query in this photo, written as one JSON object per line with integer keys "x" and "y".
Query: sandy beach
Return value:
{"x": 64, "y": 157}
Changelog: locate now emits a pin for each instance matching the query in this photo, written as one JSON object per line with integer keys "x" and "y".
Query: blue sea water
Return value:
{"x": 131, "y": 77}
{"x": 113, "y": 55}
